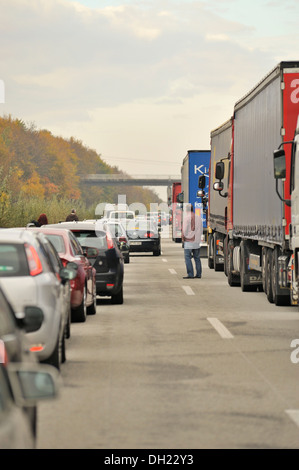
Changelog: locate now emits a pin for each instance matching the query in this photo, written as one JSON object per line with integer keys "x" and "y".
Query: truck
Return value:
{"x": 195, "y": 165}
{"x": 257, "y": 211}
{"x": 176, "y": 212}
{"x": 219, "y": 209}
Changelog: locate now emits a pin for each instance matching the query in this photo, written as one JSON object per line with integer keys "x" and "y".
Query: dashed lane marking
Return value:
{"x": 294, "y": 415}
{"x": 165, "y": 260}
{"x": 188, "y": 290}
{"x": 220, "y": 328}
{"x": 172, "y": 271}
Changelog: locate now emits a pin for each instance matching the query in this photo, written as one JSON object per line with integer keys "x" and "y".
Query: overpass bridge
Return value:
{"x": 117, "y": 179}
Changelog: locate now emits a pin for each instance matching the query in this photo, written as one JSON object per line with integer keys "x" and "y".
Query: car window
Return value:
{"x": 115, "y": 230}
{"x": 13, "y": 261}
{"x": 57, "y": 241}
{"x": 7, "y": 319}
{"x": 53, "y": 257}
{"x": 75, "y": 245}
{"x": 92, "y": 238}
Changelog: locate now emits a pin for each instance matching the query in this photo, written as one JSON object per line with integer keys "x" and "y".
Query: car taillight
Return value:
{"x": 110, "y": 244}
{"x": 150, "y": 234}
{"x": 122, "y": 239}
{"x": 34, "y": 263}
{"x": 3, "y": 354}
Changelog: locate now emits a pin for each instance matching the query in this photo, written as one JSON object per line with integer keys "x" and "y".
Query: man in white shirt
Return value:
{"x": 191, "y": 237}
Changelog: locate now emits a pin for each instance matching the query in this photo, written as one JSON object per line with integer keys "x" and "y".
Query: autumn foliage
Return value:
{"x": 40, "y": 172}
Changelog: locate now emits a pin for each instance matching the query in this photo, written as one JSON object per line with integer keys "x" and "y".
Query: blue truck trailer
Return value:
{"x": 195, "y": 164}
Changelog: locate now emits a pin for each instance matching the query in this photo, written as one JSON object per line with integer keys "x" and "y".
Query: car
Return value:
{"x": 102, "y": 251}
{"x": 144, "y": 237}
{"x": 83, "y": 299}
{"x": 20, "y": 386}
{"x": 31, "y": 272}
{"x": 118, "y": 231}
{"x": 18, "y": 420}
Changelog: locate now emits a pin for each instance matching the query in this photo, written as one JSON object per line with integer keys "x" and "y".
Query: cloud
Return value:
{"x": 155, "y": 69}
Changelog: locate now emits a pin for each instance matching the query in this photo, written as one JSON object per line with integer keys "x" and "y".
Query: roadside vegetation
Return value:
{"x": 40, "y": 173}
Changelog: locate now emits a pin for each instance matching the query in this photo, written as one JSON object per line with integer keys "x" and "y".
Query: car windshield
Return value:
{"x": 91, "y": 238}
{"x": 13, "y": 261}
{"x": 122, "y": 215}
{"x": 141, "y": 229}
{"x": 57, "y": 241}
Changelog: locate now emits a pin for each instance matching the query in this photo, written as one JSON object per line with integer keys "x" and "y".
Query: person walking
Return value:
{"x": 191, "y": 237}
{"x": 72, "y": 216}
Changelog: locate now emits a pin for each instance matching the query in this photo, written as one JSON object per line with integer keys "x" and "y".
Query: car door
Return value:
{"x": 87, "y": 268}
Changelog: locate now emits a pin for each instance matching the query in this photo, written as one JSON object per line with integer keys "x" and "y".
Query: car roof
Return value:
{"x": 81, "y": 224}
{"x": 18, "y": 235}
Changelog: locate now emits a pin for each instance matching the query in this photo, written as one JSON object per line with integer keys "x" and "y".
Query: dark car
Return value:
{"x": 83, "y": 287}
{"x": 14, "y": 350}
{"x": 103, "y": 253}
{"x": 118, "y": 231}
{"x": 144, "y": 236}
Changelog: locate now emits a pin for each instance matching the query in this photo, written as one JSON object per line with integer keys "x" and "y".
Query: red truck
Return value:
{"x": 251, "y": 221}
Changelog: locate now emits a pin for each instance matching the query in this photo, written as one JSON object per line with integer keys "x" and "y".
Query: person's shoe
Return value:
{"x": 188, "y": 277}
{"x": 198, "y": 277}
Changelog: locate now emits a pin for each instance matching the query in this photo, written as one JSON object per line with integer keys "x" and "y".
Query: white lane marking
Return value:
{"x": 294, "y": 415}
{"x": 172, "y": 271}
{"x": 220, "y": 328}
{"x": 188, "y": 290}
{"x": 165, "y": 260}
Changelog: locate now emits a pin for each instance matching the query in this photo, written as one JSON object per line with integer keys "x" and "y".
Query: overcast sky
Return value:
{"x": 142, "y": 81}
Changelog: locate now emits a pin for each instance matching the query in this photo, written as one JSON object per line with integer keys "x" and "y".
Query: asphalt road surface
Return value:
{"x": 182, "y": 364}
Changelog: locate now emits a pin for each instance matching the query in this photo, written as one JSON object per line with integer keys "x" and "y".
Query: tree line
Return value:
{"x": 40, "y": 173}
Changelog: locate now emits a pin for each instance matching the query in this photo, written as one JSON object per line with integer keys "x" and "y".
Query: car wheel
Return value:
{"x": 92, "y": 309}
{"x": 118, "y": 298}
{"x": 54, "y": 359}
{"x": 79, "y": 313}
{"x": 127, "y": 259}
{"x": 157, "y": 252}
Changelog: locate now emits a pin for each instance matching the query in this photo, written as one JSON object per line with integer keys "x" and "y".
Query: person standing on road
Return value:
{"x": 72, "y": 216}
{"x": 191, "y": 237}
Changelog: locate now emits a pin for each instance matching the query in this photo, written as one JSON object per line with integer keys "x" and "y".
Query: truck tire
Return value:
{"x": 244, "y": 287}
{"x": 268, "y": 269}
{"x": 210, "y": 252}
{"x": 217, "y": 266}
{"x": 278, "y": 299}
{"x": 232, "y": 279}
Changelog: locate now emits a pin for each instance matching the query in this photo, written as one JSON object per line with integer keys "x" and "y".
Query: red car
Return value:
{"x": 83, "y": 287}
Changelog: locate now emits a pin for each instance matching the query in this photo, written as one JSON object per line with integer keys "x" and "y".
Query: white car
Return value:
{"x": 31, "y": 273}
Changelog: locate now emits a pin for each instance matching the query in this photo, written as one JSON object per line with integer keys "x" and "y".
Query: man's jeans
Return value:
{"x": 189, "y": 254}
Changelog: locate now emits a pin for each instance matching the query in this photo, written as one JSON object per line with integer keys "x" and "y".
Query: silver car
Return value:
{"x": 31, "y": 273}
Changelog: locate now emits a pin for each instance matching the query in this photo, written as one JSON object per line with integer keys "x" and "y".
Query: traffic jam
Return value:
{"x": 53, "y": 275}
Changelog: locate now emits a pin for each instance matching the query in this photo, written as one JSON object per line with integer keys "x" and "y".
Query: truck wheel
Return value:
{"x": 278, "y": 299}
{"x": 210, "y": 252}
{"x": 217, "y": 266}
{"x": 244, "y": 287}
{"x": 264, "y": 252}
{"x": 225, "y": 255}
{"x": 232, "y": 279}
{"x": 269, "y": 291}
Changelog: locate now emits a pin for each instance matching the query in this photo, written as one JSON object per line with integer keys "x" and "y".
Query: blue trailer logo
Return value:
{"x": 199, "y": 163}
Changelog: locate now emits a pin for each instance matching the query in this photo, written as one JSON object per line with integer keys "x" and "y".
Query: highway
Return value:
{"x": 182, "y": 364}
